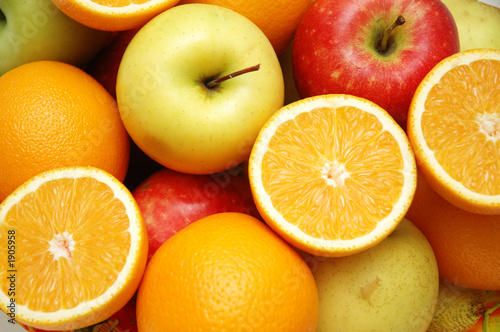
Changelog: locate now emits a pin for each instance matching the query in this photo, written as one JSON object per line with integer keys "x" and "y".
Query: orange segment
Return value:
{"x": 332, "y": 174}
{"x": 79, "y": 248}
{"x": 454, "y": 128}
{"x": 113, "y": 15}
{"x": 57, "y": 223}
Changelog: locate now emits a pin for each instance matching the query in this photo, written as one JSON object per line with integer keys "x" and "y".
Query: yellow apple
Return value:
{"x": 165, "y": 100}
{"x": 390, "y": 287}
{"x": 478, "y": 23}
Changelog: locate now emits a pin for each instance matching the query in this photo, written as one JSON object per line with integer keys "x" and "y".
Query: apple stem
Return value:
{"x": 213, "y": 82}
{"x": 383, "y": 44}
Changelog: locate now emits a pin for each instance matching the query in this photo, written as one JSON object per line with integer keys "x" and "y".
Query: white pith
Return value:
{"x": 490, "y": 125}
{"x": 118, "y": 10}
{"x": 335, "y": 174}
{"x": 62, "y": 245}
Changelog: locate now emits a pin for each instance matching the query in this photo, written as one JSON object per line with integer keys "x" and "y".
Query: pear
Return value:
{"x": 392, "y": 286}
{"x": 478, "y": 23}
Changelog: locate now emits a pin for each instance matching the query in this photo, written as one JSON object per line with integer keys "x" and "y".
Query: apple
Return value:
{"x": 104, "y": 66}
{"x": 392, "y": 286}
{"x": 376, "y": 49}
{"x": 175, "y": 94}
{"x": 277, "y": 19}
{"x": 32, "y": 30}
{"x": 140, "y": 167}
{"x": 478, "y": 23}
{"x": 170, "y": 200}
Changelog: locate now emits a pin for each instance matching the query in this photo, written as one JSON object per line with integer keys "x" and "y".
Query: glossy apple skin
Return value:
{"x": 169, "y": 200}
{"x": 32, "y": 30}
{"x": 165, "y": 104}
{"x": 104, "y": 66}
{"x": 334, "y": 49}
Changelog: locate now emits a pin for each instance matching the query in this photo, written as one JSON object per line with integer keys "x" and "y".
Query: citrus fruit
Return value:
{"x": 75, "y": 248}
{"x": 113, "y": 15}
{"x": 278, "y": 19}
{"x": 227, "y": 272}
{"x": 332, "y": 174}
{"x": 55, "y": 115}
{"x": 392, "y": 286}
{"x": 454, "y": 129}
{"x": 466, "y": 244}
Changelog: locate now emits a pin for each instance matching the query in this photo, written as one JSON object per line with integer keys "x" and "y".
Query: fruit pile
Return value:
{"x": 221, "y": 165}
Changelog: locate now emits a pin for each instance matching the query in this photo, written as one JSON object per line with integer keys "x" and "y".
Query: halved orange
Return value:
{"x": 454, "y": 129}
{"x": 113, "y": 15}
{"x": 74, "y": 248}
{"x": 332, "y": 174}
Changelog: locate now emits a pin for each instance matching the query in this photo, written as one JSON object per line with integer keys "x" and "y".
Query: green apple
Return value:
{"x": 478, "y": 23}
{"x": 165, "y": 99}
{"x": 32, "y": 30}
{"x": 390, "y": 287}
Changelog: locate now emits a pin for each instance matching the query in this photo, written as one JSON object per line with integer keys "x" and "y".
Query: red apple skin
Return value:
{"x": 169, "y": 200}
{"x": 334, "y": 49}
{"x": 104, "y": 66}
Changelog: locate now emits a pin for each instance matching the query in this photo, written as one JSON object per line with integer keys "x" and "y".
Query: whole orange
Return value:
{"x": 466, "y": 245}
{"x": 55, "y": 115}
{"x": 278, "y": 19}
{"x": 227, "y": 272}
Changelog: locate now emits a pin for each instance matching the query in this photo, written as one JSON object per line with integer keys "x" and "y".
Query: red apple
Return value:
{"x": 140, "y": 167}
{"x": 104, "y": 66}
{"x": 338, "y": 48}
{"x": 285, "y": 58}
{"x": 169, "y": 200}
